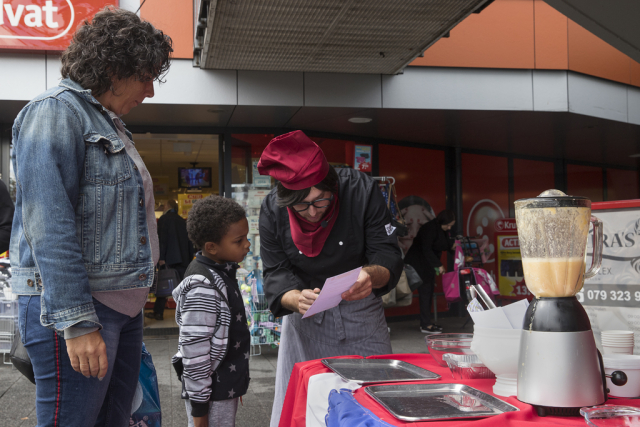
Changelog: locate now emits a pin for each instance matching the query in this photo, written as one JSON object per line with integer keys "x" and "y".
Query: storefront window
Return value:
{"x": 531, "y": 177}
{"x": 246, "y": 150}
{"x": 622, "y": 184}
{"x": 420, "y": 183}
{"x": 485, "y": 198}
{"x": 585, "y": 181}
{"x": 182, "y": 167}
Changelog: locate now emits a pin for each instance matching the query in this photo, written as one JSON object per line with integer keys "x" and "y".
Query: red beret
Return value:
{"x": 294, "y": 160}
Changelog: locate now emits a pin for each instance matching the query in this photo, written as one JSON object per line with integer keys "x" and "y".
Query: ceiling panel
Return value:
{"x": 179, "y": 115}
{"x": 346, "y": 36}
{"x": 254, "y": 116}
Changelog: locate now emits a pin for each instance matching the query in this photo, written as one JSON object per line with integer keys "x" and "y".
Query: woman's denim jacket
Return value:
{"x": 80, "y": 221}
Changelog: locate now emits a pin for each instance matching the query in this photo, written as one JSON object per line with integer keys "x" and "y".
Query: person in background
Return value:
{"x": 318, "y": 223}
{"x": 176, "y": 251}
{"x": 84, "y": 242}
{"x": 416, "y": 212}
{"x": 6, "y": 217}
{"x": 214, "y": 342}
{"x": 424, "y": 256}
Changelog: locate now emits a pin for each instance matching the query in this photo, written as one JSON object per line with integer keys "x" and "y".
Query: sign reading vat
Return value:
{"x": 44, "y": 24}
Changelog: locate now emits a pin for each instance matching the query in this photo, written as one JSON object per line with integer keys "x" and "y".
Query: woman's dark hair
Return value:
{"x": 288, "y": 197}
{"x": 445, "y": 217}
{"x": 115, "y": 44}
{"x": 210, "y": 219}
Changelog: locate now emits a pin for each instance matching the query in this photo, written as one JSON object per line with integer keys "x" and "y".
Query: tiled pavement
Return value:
{"x": 17, "y": 395}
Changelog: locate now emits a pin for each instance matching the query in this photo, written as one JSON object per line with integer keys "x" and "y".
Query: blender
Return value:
{"x": 560, "y": 369}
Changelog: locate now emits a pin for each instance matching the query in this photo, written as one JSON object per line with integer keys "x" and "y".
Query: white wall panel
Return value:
{"x": 633, "y": 97}
{"x": 22, "y": 76}
{"x": 342, "y": 90}
{"x": 458, "y": 88}
{"x": 131, "y": 5}
{"x": 596, "y": 97}
{"x": 550, "y": 90}
{"x": 188, "y": 85}
{"x": 282, "y": 89}
{"x": 53, "y": 70}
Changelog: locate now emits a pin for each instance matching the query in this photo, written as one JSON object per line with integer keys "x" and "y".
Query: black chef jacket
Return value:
{"x": 361, "y": 235}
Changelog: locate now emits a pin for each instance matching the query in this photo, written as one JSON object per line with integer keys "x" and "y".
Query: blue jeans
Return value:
{"x": 65, "y": 397}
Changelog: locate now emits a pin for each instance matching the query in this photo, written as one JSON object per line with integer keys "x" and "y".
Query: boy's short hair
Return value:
{"x": 210, "y": 219}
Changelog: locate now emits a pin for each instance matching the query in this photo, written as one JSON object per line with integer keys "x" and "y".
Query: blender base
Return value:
{"x": 543, "y": 411}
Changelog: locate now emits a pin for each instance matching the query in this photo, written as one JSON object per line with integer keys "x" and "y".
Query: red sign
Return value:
{"x": 509, "y": 243}
{"x": 44, "y": 24}
{"x": 505, "y": 224}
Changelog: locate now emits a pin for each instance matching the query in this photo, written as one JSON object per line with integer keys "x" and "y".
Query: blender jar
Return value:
{"x": 553, "y": 229}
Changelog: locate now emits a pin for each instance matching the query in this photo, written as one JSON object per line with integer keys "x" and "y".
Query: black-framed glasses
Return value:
{"x": 318, "y": 204}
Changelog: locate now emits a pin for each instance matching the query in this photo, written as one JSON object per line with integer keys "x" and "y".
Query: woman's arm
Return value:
{"x": 381, "y": 245}
{"x": 282, "y": 288}
{"x": 49, "y": 158}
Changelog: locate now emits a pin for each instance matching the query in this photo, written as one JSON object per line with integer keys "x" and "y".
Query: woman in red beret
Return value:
{"x": 318, "y": 223}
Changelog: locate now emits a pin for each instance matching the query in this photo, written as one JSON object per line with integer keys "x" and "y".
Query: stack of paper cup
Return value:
{"x": 617, "y": 342}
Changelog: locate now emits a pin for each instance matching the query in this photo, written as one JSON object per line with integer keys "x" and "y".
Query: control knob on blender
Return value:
{"x": 618, "y": 378}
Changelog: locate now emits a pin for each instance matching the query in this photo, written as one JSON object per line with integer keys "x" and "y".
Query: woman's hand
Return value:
{"x": 361, "y": 289}
{"x": 88, "y": 355}
{"x": 299, "y": 301}
{"x": 201, "y": 421}
{"x": 442, "y": 270}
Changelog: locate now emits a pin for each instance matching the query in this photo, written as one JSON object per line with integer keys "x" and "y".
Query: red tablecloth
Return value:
{"x": 295, "y": 405}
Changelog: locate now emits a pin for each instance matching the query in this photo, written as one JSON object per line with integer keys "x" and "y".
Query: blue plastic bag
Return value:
{"x": 345, "y": 410}
{"x": 145, "y": 411}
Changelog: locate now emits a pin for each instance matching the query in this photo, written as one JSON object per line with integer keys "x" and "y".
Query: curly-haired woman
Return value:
{"x": 84, "y": 241}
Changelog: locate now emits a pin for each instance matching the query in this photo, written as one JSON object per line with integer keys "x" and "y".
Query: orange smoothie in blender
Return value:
{"x": 554, "y": 277}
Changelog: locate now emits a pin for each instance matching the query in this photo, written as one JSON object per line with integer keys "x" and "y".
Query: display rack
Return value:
{"x": 8, "y": 322}
{"x": 263, "y": 325}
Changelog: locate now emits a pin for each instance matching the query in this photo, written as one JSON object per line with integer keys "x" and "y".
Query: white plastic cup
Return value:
{"x": 619, "y": 334}
{"x": 617, "y": 350}
{"x": 618, "y": 343}
{"x": 628, "y": 364}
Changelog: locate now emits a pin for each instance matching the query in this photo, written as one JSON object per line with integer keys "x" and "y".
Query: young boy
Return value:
{"x": 214, "y": 337}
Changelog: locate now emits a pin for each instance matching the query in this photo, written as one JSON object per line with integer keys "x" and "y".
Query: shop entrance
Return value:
{"x": 184, "y": 168}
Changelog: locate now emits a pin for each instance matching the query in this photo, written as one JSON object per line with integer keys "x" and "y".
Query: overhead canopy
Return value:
{"x": 345, "y": 36}
{"x": 615, "y": 22}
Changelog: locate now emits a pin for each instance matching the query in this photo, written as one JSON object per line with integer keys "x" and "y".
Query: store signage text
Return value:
{"x": 43, "y": 24}
{"x": 506, "y": 224}
{"x": 510, "y": 243}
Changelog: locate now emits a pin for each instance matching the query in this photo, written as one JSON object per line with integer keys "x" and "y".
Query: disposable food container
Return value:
{"x": 467, "y": 367}
{"x": 442, "y": 344}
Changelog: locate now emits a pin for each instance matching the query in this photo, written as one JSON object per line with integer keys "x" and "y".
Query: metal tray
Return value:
{"x": 366, "y": 371}
{"x": 420, "y": 402}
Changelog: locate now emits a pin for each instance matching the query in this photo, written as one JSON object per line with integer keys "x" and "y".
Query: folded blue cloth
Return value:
{"x": 344, "y": 410}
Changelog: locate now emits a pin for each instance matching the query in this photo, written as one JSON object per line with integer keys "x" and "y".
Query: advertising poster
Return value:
{"x": 612, "y": 297}
{"x": 362, "y": 161}
{"x": 259, "y": 180}
{"x": 186, "y": 201}
{"x": 508, "y": 259}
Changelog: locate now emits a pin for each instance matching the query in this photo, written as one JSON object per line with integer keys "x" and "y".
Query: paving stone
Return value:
{"x": 17, "y": 395}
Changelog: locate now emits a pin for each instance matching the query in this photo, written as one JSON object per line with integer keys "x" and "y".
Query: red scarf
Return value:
{"x": 309, "y": 237}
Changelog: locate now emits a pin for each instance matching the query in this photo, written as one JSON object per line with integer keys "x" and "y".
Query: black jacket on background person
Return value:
{"x": 176, "y": 249}
{"x": 6, "y": 217}
{"x": 361, "y": 235}
{"x": 426, "y": 250}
